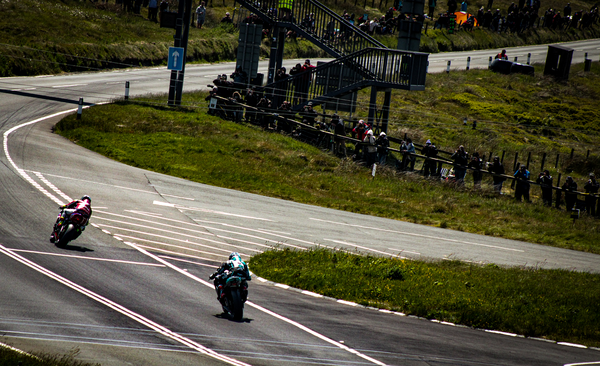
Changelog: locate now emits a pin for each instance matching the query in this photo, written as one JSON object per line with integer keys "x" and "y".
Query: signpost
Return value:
{"x": 176, "y": 61}
{"x": 175, "y": 58}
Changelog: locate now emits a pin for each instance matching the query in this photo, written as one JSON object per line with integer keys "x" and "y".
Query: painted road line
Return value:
{"x": 52, "y": 187}
{"x": 419, "y": 235}
{"x": 123, "y": 310}
{"x": 264, "y": 310}
{"x": 87, "y": 258}
{"x": 172, "y": 232}
{"x": 199, "y": 209}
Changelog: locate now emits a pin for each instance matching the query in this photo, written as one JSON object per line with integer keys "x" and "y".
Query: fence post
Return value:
{"x": 490, "y": 63}
{"x": 127, "y": 90}
{"x": 528, "y": 159}
{"x": 468, "y": 62}
{"x": 543, "y": 162}
{"x": 448, "y": 67}
{"x": 80, "y": 108}
{"x": 516, "y": 58}
{"x": 529, "y": 58}
{"x": 502, "y": 159}
{"x": 515, "y": 162}
{"x": 588, "y": 154}
{"x": 556, "y": 165}
{"x": 558, "y": 192}
{"x": 572, "y": 151}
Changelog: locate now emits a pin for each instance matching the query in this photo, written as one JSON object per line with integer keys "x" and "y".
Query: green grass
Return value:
{"x": 10, "y": 357}
{"x": 46, "y": 37}
{"x": 554, "y": 304}
{"x": 188, "y": 143}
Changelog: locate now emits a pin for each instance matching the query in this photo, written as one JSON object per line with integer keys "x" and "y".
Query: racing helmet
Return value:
{"x": 235, "y": 256}
{"x": 86, "y": 197}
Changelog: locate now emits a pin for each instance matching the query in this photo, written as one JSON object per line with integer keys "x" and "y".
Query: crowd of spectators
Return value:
{"x": 521, "y": 16}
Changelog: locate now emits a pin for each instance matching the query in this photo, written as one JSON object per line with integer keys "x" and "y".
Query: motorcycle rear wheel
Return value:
{"x": 237, "y": 305}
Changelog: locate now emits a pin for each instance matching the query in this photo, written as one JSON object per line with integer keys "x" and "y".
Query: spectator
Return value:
{"x": 227, "y": 19}
{"x": 452, "y": 5}
{"x": 383, "y": 143}
{"x": 305, "y": 80}
{"x": 359, "y": 131}
{"x": 163, "y": 7}
{"x": 200, "y": 15}
{"x": 308, "y": 114}
{"x": 461, "y": 159}
{"x": 339, "y": 130}
{"x": 285, "y": 9}
{"x": 429, "y": 166}
{"x": 497, "y": 169}
{"x": 408, "y": 158}
{"x": 371, "y": 148}
{"x": 463, "y": 6}
{"x": 591, "y": 188}
{"x": 476, "y": 164}
{"x": 570, "y": 188}
{"x": 153, "y": 10}
{"x": 545, "y": 182}
{"x": 252, "y": 99}
{"x": 522, "y": 184}
{"x": 502, "y": 55}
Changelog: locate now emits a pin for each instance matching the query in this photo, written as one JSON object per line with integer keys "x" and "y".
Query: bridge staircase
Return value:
{"x": 361, "y": 61}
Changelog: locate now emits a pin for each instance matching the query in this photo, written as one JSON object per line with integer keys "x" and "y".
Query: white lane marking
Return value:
{"x": 501, "y": 333}
{"x": 98, "y": 183}
{"x": 365, "y": 248}
{"x": 182, "y": 198}
{"x": 21, "y": 171}
{"x": 52, "y": 186}
{"x": 264, "y": 310}
{"x": 121, "y": 309}
{"x": 349, "y": 303}
{"x": 67, "y": 86}
{"x": 144, "y": 213}
{"x": 169, "y": 245}
{"x": 172, "y": 252}
{"x": 404, "y": 251}
{"x": 583, "y": 363}
{"x": 213, "y": 229}
{"x": 186, "y": 208}
{"x": 171, "y": 232}
{"x": 419, "y": 235}
{"x": 169, "y": 238}
{"x": 310, "y": 293}
{"x": 571, "y": 344}
{"x": 88, "y": 258}
{"x": 192, "y": 262}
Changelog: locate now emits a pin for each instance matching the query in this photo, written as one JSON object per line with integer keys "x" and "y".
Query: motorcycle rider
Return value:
{"x": 82, "y": 206}
{"x": 236, "y": 265}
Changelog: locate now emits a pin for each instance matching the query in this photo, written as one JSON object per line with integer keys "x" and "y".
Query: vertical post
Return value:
{"x": 529, "y": 58}
{"x": 502, "y": 158}
{"x": 127, "y": 90}
{"x": 543, "y": 162}
{"x": 386, "y": 110}
{"x": 490, "y": 63}
{"x": 373, "y": 106}
{"x": 528, "y": 159}
{"x": 80, "y": 108}
{"x": 556, "y": 165}
{"x": 558, "y": 191}
{"x": 516, "y": 58}
{"x": 588, "y": 155}
{"x": 448, "y": 67}
{"x": 572, "y": 151}
{"x": 468, "y": 62}
{"x": 490, "y": 157}
{"x": 515, "y": 162}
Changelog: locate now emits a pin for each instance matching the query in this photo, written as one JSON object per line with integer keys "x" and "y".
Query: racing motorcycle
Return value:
{"x": 233, "y": 293}
{"x": 69, "y": 226}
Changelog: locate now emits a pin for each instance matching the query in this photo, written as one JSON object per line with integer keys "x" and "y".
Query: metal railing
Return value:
{"x": 369, "y": 67}
{"x": 327, "y": 29}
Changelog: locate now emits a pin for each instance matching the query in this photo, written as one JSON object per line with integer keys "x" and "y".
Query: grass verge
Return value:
{"x": 10, "y": 356}
{"x": 188, "y": 143}
{"x": 553, "y": 304}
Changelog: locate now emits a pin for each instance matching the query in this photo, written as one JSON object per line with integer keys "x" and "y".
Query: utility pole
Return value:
{"x": 182, "y": 31}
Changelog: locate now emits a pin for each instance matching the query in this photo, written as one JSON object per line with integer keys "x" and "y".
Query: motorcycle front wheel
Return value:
{"x": 65, "y": 235}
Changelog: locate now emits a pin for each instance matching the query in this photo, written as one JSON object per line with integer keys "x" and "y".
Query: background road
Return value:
{"x": 132, "y": 288}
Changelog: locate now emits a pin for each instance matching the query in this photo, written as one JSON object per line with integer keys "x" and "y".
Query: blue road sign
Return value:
{"x": 175, "y": 58}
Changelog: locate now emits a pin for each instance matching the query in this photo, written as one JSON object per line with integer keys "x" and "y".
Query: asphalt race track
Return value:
{"x": 133, "y": 289}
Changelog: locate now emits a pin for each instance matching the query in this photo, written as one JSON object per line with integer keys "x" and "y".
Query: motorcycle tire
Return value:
{"x": 237, "y": 305}
{"x": 67, "y": 235}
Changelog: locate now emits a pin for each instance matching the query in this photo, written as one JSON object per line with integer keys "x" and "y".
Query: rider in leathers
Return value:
{"x": 82, "y": 207}
{"x": 235, "y": 264}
